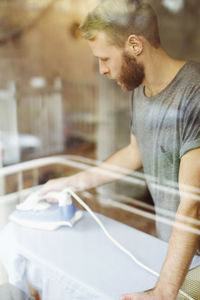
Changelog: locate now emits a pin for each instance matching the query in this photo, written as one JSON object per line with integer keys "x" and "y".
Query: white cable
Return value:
{"x": 83, "y": 204}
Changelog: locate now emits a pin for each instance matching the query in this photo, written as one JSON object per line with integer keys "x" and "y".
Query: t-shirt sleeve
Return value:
{"x": 190, "y": 129}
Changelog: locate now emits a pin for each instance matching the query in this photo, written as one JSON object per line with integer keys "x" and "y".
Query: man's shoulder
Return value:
{"x": 190, "y": 79}
{"x": 193, "y": 71}
{"x": 194, "y": 64}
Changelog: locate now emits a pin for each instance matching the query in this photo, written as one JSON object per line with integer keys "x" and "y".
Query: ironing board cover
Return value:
{"x": 81, "y": 262}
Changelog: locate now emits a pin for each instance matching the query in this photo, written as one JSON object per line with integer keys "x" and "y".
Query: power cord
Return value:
{"x": 117, "y": 244}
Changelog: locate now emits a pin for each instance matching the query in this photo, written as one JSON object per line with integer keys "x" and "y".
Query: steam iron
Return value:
{"x": 35, "y": 212}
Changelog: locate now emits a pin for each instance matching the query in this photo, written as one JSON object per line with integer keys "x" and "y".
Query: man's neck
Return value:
{"x": 160, "y": 70}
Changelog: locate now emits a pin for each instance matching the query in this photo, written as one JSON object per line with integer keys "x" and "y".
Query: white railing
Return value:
{"x": 9, "y": 201}
{"x": 81, "y": 163}
{"x": 77, "y": 162}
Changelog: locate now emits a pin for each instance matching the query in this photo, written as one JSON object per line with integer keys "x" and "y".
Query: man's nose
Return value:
{"x": 103, "y": 69}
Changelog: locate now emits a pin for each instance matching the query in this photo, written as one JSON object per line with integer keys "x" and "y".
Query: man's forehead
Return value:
{"x": 100, "y": 46}
{"x": 100, "y": 36}
{"x": 99, "y": 42}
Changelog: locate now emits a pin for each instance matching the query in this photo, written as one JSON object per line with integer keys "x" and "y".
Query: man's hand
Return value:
{"x": 54, "y": 185}
{"x": 139, "y": 296}
{"x": 77, "y": 183}
{"x": 150, "y": 295}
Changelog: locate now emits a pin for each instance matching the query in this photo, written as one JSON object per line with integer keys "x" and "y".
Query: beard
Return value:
{"x": 131, "y": 74}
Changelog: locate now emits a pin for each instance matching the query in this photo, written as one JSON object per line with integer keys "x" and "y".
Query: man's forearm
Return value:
{"x": 182, "y": 247}
{"x": 120, "y": 164}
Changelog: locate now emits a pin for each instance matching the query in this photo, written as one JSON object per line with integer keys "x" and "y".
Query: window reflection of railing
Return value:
{"x": 80, "y": 163}
{"x": 72, "y": 161}
{"x": 76, "y": 163}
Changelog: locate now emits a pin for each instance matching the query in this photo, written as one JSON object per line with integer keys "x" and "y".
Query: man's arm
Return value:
{"x": 183, "y": 244}
{"x": 123, "y": 162}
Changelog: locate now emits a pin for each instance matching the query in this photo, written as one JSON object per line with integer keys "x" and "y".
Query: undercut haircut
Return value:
{"x": 118, "y": 19}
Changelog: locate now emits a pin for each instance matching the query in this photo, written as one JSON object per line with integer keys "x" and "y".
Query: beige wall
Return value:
{"x": 47, "y": 48}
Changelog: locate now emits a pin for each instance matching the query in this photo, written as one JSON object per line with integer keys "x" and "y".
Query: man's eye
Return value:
{"x": 104, "y": 59}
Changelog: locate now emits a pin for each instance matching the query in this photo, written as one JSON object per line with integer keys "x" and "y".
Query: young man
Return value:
{"x": 165, "y": 133}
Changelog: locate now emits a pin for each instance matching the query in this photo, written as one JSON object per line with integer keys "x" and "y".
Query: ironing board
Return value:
{"x": 81, "y": 262}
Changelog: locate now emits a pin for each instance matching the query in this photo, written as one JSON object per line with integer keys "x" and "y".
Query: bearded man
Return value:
{"x": 165, "y": 133}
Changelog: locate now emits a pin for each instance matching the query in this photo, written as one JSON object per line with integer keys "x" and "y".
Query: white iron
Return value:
{"x": 37, "y": 213}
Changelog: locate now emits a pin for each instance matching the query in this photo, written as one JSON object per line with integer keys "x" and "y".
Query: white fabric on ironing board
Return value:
{"x": 81, "y": 262}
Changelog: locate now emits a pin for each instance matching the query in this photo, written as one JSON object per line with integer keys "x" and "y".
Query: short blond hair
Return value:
{"x": 121, "y": 18}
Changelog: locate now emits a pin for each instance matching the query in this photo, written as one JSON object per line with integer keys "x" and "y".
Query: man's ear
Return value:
{"x": 134, "y": 44}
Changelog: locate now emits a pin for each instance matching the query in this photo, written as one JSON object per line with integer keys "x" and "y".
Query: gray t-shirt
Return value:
{"x": 166, "y": 126}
